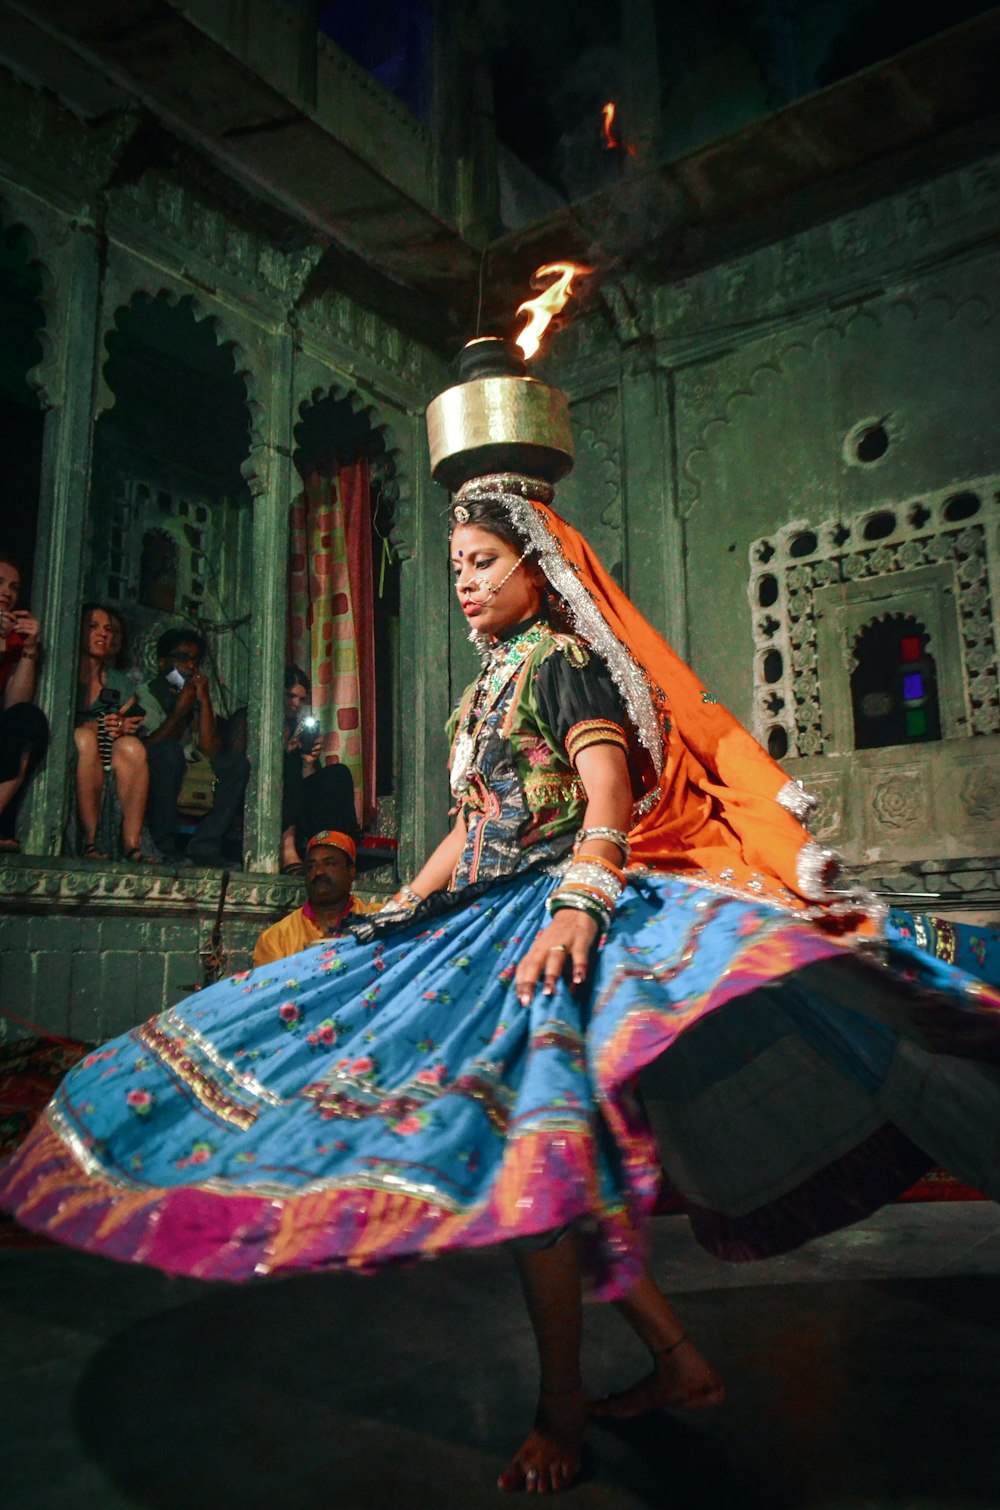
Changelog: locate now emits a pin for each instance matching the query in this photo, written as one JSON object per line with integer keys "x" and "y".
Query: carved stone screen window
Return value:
{"x": 815, "y": 587}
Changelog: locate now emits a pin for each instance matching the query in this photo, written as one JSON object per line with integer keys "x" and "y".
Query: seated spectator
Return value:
{"x": 314, "y": 796}
{"x": 330, "y": 861}
{"x": 24, "y": 729}
{"x": 181, "y": 729}
{"x": 108, "y": 721}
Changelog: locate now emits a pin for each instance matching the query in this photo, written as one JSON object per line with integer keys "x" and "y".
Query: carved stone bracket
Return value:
{"x": 348, "y": 334}
{"x": 164, "y": 217}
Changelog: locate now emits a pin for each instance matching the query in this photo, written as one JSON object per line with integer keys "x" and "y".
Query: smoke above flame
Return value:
{"x": 548, "y": 303}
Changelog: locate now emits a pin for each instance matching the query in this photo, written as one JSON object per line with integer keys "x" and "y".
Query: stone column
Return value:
{"x": 62, "y": 521}
{"x": 426, "y": 694}
{"x": 272, "y": 484}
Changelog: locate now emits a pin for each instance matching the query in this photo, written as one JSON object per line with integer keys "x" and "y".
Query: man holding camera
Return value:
{"x": 181, "y": 729}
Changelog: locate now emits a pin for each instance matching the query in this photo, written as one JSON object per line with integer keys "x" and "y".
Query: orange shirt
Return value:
{"x": 297, "y": 931}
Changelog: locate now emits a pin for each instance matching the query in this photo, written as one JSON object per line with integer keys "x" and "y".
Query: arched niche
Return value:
{"x": 170, "y": 516}
{"x": 22, "y": 418}
{"x": 336, "y": 433}
{"x": 894, "y": 692}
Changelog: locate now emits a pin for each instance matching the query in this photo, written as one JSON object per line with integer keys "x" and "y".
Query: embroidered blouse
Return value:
{"x": 542, "y": 698}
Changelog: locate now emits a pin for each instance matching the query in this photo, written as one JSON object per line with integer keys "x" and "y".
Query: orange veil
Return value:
{"x": 713, "y": 801}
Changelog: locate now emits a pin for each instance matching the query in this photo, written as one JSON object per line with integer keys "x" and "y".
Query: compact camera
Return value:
{"x": 307, "y": 728}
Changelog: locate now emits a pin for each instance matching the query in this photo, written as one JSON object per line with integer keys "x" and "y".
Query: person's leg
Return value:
{"x": 166, "y": 763}
{"x": 89, "y": 784}
{"x": 549, "y": 1459}
{"x": 232, "y": 771}
{"x": 131, "y": 769}
{"x": 681, "y": 1378}
{"x": 24, "y": 738}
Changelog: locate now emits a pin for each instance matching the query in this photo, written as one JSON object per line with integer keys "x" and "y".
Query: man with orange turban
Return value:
{"x": 330, "y": 863}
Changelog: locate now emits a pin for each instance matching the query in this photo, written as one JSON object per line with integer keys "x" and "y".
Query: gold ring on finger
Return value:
{"x": 558, "y": 949}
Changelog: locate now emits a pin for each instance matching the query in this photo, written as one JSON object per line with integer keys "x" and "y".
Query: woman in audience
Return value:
{"x": 108, "y": 718}
{"x": 314, "y": 796}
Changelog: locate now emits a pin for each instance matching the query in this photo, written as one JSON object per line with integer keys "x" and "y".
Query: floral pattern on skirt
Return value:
{"x": 365, "y": 1103}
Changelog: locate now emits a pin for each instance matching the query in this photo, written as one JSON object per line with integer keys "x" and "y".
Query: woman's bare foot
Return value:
{"x": 549, "y": 1460}
{"x": 681, "y": 1380}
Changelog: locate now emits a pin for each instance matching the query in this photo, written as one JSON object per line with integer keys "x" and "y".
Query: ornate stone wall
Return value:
{"x": 814, "y": 413}
{"x": 103, "y": 235}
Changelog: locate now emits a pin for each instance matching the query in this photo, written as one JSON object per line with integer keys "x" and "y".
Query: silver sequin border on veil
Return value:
{"x": 515, "y": 494}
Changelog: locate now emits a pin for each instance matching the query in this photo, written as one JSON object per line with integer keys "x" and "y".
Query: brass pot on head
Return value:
{"x": 497, "y": 418}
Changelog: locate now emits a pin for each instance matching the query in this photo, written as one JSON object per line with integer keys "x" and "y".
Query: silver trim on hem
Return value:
{"x": 794, "y": 798}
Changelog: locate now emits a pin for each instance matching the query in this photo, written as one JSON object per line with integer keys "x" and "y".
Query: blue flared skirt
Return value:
{"x": 368, "y": 1102}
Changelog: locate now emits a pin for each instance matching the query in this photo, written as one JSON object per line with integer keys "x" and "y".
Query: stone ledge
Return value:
{"x": 59, "y": 886}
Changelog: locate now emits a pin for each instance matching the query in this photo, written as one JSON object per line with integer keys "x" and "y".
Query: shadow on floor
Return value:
{"x": 410, "y": 1390}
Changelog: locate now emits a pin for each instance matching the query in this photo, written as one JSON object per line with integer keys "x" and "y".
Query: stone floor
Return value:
{"x": 863, "y": 1373}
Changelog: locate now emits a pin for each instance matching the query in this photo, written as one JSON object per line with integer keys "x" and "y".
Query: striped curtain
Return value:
{"x": 331, "y": 619}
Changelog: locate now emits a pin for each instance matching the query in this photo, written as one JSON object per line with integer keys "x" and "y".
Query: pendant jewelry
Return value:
{"x": 461, "y": 760}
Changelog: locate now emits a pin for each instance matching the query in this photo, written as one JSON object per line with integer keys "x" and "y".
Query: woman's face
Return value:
{"x": 97, "y": 634}
{"x": 10, "y": 586}
{"x": 296, "y": 698}
{"x": 481, "y": 563}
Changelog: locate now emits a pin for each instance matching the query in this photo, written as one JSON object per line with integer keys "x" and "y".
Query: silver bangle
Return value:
{"x": 582, "y": 874}
{"x": 616, "y": 836}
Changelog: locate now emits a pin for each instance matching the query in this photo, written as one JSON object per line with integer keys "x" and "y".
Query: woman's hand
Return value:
{"x": 565, "y": 944}
{"x": 311, "y": 756}
{"x": 131, "y": 723}
{"x": 113, "y": 725}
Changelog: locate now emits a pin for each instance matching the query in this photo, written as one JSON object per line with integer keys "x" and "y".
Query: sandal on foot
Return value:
{"x": 91, "y": 852}
{"x": 135, "y": 856}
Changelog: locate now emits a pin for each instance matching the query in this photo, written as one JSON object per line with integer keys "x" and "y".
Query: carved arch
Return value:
{"x": 44, "y": 377}
{"x": 386, "y": 466}
{"x": 243, "y": 369}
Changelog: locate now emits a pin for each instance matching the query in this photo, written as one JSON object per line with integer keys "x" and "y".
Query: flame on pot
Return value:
{"x": 548, "y": 303}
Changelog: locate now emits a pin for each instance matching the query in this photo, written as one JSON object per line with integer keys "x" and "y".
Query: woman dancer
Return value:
{"x": 461, "y": 1071}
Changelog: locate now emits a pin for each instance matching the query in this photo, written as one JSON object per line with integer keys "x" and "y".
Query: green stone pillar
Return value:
{"x": 62, "y": 528}
{"x": 426, "y": 693}
{"x": 273, "y": 485}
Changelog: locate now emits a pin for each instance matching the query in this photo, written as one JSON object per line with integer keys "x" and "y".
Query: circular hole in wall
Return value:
{"x": 767, "y": 591}
{"x": 879, "y": 526}
{"x": 803, "y": 544}
{"x": 777, "y": 742}
{"x": 773, "y": 666}
{"x": 960, "y": 506}
{"x": 871, "y": 443}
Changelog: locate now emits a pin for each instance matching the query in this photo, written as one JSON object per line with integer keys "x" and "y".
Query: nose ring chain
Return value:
{"x": 491, "y": 589}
